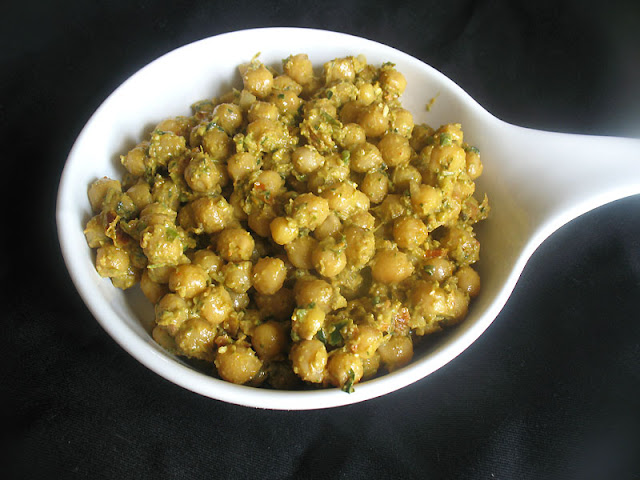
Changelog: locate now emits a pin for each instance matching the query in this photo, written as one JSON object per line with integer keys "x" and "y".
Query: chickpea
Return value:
{"x": 299, "y": 252}
{"x": 136, "y": 160}
{"x": 305, "y": 322}
{"x": 258, "y": 81}
{"x": 166, "y": 192}
{"x": 203, "y": 174}
{"x": 340, "y": 69}
{"x": 259, "y": 221}
{"x": 212, "y": 214}
{"x": 235, "y": 244}
{"x": 188, "y": 280}
{"x": 163, "y": 338}
{"x": 366, "y": 94}
{"x": 468, "y": 281}
{"x": 306, "y": 159}
{"x": 268, "y": 181}
{"x": 269, "y": 340}
{"x": 161, "y": 244}
{"x": 463, "y": 247}
{"x": 313, "y": 291}
{"x": 391, "y": 207}
{"x": 299, "y": 68}
{"x": 309, "y": 359}
{"x": 458, "y": 303}
{"x": 474, "y": 165}
{"x": 375, "y": 186}
{"x": 268, "y": 275}
{"x": 164, "y": 146}
{"x": 370, "y": 365}
{"x": 263, "y": 111}
{"x": 229, "y": 117}
{"x": 161, "y": 274}
{"x": 237, "y": 364}
{"x": 284, "y": 83}
{"x": 392, "y": 81}
{"x": 216, "y": 143}
{"x": 179, "y": 125}
{"x": 409, "y": 232}
{"x": 152, "y": 290}
{"x": 328, "y": 257}
{"x": 171, "y": 312}
{"x": 100, "y": 189}
{"x": 237, "y": 276}
{"x": 390, "y": 266}
{"x": 402, "y": 122}
{"x": 309, "y": 210}
{"x": 363, "y": 219}
{"x": 375, "y": 119}
{"x": 403, "y": 176}
{"x": 195, "y": 338}
{"x": 438, "y": 268}
{"x": 365, "y": 341}
{"x": 214, "y": 304}
{"x": 344, "y": 367}
{"x": 283, "y": 230}
{"x": 430, "y": 299}
{"x": 157, "y": 214}
{"x": 280, "y": 305}
{"x": 329, "y": 227}
{"x": 396, "y": 352}
{"x": 112, "y": 261}
{"x": 240, "y": 301}
{"x": 350, "y": 113}
{"x": 352, "y": 136}
{"x": 365, "y": 158}
{"x": 140, "y": 195}
{"x": 425, "y": 198}
{"x": 361, "y": 246}
{"x": 395, "y": 149}
{"x": 208, "y": 261}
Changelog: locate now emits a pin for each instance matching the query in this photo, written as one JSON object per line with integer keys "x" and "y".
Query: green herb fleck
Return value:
{"x": 171, "y": 234}
{"x": 329, "y": 94}
{"x": 321, "y": 336}
{"x": 348, "y": 385}
{"x": 429, "y": 269}
{"x": 445, "y": 140}
{"x": 346, "y": 156}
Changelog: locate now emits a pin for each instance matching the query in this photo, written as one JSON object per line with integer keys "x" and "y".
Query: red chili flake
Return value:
{"x": 436, "y": 252}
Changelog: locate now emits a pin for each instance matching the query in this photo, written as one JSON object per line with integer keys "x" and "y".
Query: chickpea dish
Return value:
{"x": 300, "y": 232}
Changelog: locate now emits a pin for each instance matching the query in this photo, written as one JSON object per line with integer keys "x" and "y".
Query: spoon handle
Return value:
{"x": 555, "y": 177}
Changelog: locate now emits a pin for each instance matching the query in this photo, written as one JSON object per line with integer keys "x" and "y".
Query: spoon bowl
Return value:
{"x": 536, "y": 182}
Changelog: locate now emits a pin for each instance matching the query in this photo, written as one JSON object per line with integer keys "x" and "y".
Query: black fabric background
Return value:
{"x": 550, "y": 390}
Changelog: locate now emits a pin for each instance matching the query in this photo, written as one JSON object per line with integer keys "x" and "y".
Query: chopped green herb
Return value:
{"x": 346, "y": 155}
{"x": 321, "y": 336}
{"x": 429, "y": 269}
{"x": 329, "y": 119}
{"x": 281, "y": 96}
{"x": 335, "y": 337}
{"x": 329, "y": 94}
{"x": 348, "y": 385}
{"x": 171, "y": 234}
{"x": 445, "y": 140}
{"x": 375, "y": 300}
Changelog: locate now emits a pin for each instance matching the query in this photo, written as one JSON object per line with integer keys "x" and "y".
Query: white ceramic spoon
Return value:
{"x": 536, "y": 182}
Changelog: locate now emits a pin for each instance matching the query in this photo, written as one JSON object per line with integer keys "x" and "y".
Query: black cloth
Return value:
{"x": 550, "y": 390}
